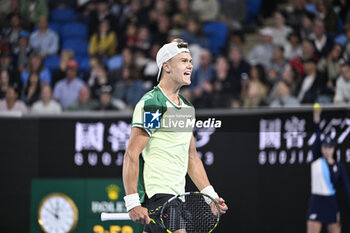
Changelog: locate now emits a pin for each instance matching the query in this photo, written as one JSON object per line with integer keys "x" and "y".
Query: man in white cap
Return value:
{"x": 158, "y": 157}
{"x": 262, "y": 53}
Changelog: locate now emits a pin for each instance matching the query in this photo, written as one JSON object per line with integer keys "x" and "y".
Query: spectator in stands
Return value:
{"x": 7, "y": 64}
{"x": 262, "y": 53}
{"x": 307, "y": 26}
{"x": 22, "y": 51}
{"x": 224, "y": 93}
{"x": 89, "y": 75}
{"x": 344, "y": 37}
{"x": 178, "y": 24}
{"x": 255, "y": 93}
{"x": 323, "y": 43}
{"x": 46, "y": 105}
{"x": 307, "y": 52}
{"x": 329, "y": 65}
{"x": 104, "y": 41}
{"x": 101, "y": 13}
{"x": 128, "y": 58}
{"x": 32, "y": 89}
{"x": 60, "y": 72}
{"x": 130, "y": 36}
{"x": 206, "y": 10}
{"x": 329, "y": 17}
{"x": 344, "y": 10}
{"x": 313, "y": 82}
{"x": 84, "y": 101}
{"x": 4, "y": 47}
{"x": 280, "y": 29}
{"x": 66, "y": 91}
{"x": 346, "y": 55}
{"x": 6, "y": 60}
{"x": 342, "y": 91}
{"x": 4, "y": 83}
{"x": 275, "y": 67}
{"x": 284, "y": 97}
{"x": 11, "y": 34}
{"x": 239, "y": 68}
{"x": 44, "y": 40}
{"x": 139, "y": 15}
{"x": 35, "y": 9}
{"x": 234, "y": 12}
{"x": 150, "y": 70}
{"x": 202, "y": 78}
{"x": 193, "y": 33}
{"x": 101, "y": 79}
{"x": 289, "y": 75}
{"x": 130, "y": 88}
{"x": 292, "y": 76}
{"x": 5, "y": 7}
{"x": 85, "y": 8}
{"x": 163, "y": 28}
{"x": 14, "y": 9}
{"x": 162, "y": 7}
{"x": 295, "y": 13}
{"x": 293, "y": 46}
{"x": 11, "y": 102}
{"x": 143, "y": 44}
{"x": 36, "y": 65}
{"x": 183, "y": 8}
{"x": 105, "y": 100}
{"x": 120, "y": 9}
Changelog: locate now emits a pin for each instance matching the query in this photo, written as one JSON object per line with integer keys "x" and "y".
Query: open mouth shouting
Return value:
{"x": 187, "y": 74}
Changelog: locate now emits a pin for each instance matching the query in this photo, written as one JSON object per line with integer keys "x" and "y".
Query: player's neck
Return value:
{"x": 171, "y": 91}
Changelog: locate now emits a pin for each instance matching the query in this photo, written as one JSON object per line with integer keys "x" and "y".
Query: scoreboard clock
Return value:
{"x": 57, "y": 213}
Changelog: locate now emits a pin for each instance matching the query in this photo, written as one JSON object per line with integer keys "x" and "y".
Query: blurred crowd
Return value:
{"x": 86, "y": 55}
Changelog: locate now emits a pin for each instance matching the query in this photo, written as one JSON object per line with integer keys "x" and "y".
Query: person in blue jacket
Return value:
{"x": 326, "y": 172}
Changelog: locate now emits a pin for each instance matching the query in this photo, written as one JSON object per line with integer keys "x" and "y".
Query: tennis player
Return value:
{"x": 157, "y": 160}
{"x": 325, "y": 173}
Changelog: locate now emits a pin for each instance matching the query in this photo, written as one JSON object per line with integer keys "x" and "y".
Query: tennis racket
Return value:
{"x": 193, "y": 212}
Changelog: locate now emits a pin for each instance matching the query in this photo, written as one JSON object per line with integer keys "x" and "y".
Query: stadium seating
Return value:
{"x": 74, "y": 31}
{"x": 52, "y": 62}
{"x": 62, "y": 16}
{"x": 216, "y": 32}
{"x": 80, "y": 47}
{"x": 84, "y": 62}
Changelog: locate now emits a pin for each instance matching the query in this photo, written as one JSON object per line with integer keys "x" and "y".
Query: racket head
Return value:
{"x": 193, "y": 211}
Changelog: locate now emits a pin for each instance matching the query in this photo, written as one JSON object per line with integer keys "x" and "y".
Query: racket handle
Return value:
{"x": 115, "y": 216}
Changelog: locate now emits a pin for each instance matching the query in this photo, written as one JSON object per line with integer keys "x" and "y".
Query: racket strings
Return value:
{"x": 193, "y": 214}
{"x": 155, "y": 215}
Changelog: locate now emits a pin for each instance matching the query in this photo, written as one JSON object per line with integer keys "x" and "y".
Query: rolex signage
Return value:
{"x": 91, "y": 197}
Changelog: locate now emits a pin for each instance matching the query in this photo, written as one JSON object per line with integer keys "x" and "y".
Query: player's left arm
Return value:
{"x": 199, "y": 176}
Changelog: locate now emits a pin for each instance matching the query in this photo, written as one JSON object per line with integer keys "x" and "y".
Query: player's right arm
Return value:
{"x": 137, "y": 142}
{"x": 316, "y": 147}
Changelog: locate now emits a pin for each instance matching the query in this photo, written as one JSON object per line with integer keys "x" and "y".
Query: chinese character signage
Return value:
{"x": 286, "y": 141}
{"x": 106, "y": 143}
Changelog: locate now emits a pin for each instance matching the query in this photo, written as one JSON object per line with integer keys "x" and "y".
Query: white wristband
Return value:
{"x": 131, "y": 201}
{"x": 209, "y": 190}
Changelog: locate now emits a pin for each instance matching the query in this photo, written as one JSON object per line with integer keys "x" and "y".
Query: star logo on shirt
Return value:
{"x": 156, "y": 115}
{"x": 151, "y": 120}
